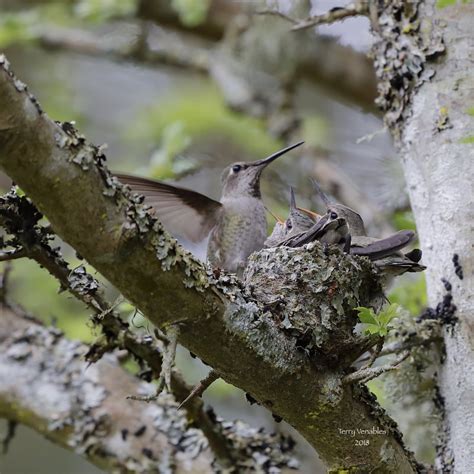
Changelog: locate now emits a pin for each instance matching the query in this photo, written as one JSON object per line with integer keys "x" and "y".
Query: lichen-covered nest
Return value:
{"x": 311, "y": 293}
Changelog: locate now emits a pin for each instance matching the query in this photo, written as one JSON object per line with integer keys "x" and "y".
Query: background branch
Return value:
{"x": 46, "y": 385}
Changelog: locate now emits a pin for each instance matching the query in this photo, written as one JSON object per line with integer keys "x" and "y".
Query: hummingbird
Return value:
{"x": 384, "y": 252}
{"x": 298, "y": 220}
{"x": 236, "y": 225}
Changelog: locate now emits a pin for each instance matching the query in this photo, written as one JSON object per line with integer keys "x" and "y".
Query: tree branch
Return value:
{"x": 46, "y": 385}
{"x": 164, "y": 52}
{"x": 368, "y": 373}
{"x": 20, "y": 218}
{"x": 66, "y": 178}
{"x": 335, "y": 14}
{"x": 12, "y": 255}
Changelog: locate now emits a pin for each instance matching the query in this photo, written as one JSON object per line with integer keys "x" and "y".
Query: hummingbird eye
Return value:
{"x": 289, "y": 225}
{"x": 236, "y": 168}
{"x": 333, "y": 215}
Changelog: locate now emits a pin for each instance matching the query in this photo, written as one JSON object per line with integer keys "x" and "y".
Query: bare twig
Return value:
{"x": 11, "y": 430}
{"x": 375, "y": 354}
{"x": 278, "y": 14}
{"x": 12, "y": 255}
{"x": 4, "y": 276}
{"x": 201, "y": 387}
{"x": 333, "y": 15}
{"x": 369, "y": 373}
{"x": 169, "y": 354}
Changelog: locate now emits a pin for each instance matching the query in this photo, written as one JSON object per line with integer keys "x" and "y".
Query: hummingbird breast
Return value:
{"x": 240, "y": 231}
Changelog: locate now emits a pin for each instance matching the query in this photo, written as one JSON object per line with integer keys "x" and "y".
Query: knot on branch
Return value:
{"x": 312, "y": 292}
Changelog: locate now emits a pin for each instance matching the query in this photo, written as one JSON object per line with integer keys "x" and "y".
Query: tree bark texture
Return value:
{"x": 433, "y": 123}
{"x": 46, "y": 384}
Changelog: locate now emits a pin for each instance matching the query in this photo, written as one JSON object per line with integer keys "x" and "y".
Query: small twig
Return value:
{"x": 12, "y": 255}
{"x": 169, "y": 354}
{"x": 366, "y": 374}
{"x": 333, "y": 15}
{"x": 11, "y": 430}
{"x": 375, "y": 354}
{"x": 4, "y": 277}
{"x": 278, "y": 14}
{"x": 201, "y": 387}
{"x": 397, "y": 347}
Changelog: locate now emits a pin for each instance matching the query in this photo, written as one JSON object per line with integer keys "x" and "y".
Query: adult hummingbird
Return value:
{"x": 236, "y": 225}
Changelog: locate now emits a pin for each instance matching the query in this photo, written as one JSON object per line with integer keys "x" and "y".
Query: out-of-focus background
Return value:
{"x": 179, "y": 89}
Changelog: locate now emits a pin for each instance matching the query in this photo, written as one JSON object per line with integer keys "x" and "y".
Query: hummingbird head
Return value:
{"x": 353, "y": 219}
{"x": 298, "y": 219}
{"x": 243, "y": 178}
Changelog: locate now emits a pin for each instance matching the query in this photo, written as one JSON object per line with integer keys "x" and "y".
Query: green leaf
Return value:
{"x": 366, "y": 315}
{"x": 372, "y": 329}
{"x": 388, "y": 314}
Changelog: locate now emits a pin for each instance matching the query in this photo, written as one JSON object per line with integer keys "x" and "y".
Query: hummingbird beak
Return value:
{"x": 269, "y": 159}
{"x": 274, "y": 216}
{"x": 322, "y": 195}
{"x": 311, "y": 214}
{"x": 292, "y": 199}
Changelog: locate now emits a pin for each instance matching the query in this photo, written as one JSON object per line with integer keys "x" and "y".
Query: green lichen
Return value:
{"x": 467, "y": 140}
{"x": 445, "y": 3}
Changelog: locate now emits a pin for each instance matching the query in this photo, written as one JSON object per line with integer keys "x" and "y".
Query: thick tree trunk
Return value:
{"x": 435, "y": 134}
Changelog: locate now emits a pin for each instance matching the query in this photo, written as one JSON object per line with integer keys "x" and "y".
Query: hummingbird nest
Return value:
{"x": 312, "y": 292}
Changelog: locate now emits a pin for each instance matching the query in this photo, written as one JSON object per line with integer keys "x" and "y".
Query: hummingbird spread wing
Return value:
{"x": 384, "y": 247}
{"x": 183, "y": 212}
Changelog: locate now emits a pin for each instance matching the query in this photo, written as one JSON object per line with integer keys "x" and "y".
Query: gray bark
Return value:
{"x": 433, "y": 125}
{"x": 46, "y": 384}
{"x": 66, "y": 178}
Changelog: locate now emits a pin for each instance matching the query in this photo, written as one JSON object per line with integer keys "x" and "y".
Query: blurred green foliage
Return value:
{"x": 315, "y": 131}
{"x": 445, "y": 3}
{"x": 17, "y": 27}
{"x": 467, "y": 140}
{"x": 174, "y": 141}
{"x": 404, "y": 220}
{"x": 102, "y": 10}
{"x": 192, "y": 114}
{"x": 411, "y": 295}
{"x": 33, "y": 288}
{"x": 191, "y": 12}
